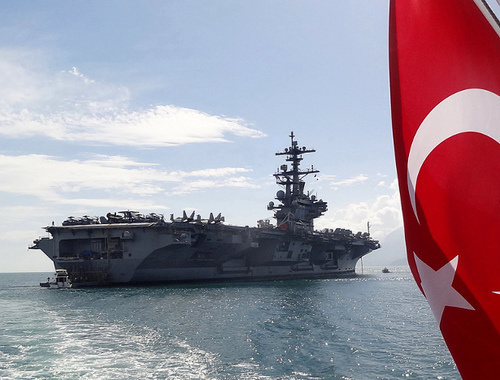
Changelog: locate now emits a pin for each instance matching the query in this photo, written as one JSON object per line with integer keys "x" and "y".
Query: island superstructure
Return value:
{"x": 128, "y": 247}
{"x": 296, "y": 210}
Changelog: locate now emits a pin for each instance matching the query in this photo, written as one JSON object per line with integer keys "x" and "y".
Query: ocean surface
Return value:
{"x": 370, "y": 326}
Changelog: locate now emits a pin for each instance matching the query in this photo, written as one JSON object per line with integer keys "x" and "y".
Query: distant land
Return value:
{"x": 391, "y": 253}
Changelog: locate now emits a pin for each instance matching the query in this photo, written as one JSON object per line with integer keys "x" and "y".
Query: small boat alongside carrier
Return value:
{"x": 59, "y": 281}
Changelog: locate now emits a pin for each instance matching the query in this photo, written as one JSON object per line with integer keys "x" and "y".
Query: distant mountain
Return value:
{"x": 399, "y": 262}
{"x": 392, "y": 252}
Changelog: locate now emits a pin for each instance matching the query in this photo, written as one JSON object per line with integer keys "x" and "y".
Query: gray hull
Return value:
{"x": 121, "y": 253}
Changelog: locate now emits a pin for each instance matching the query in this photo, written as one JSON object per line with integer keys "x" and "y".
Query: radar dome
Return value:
{"x": 280, "y": 195}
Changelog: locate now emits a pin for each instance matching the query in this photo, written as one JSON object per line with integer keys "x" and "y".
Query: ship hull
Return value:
{"x": 136, "y": 253}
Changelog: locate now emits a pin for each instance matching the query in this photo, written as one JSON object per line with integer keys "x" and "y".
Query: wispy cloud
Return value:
{"x": 200, "y": 184}
{"x": 67, "y": 182}
{"x": 70, "y": 106}
{"x": 74, "y": 71}
{"x": 335, "y": 184}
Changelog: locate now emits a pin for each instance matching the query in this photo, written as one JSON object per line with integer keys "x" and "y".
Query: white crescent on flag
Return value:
{"x": 471, "y": 110}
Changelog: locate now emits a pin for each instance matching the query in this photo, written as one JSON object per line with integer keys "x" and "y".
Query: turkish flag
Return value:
{"x": 445, "y": 99}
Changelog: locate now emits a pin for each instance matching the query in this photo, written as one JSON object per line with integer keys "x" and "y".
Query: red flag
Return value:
{"x": 445, "y": 95}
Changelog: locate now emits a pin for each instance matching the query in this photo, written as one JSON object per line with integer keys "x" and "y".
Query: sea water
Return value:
{"x": 369, "y": 326}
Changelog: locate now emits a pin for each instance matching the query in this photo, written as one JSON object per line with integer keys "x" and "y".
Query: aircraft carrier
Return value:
{"x": 128, "y": 247}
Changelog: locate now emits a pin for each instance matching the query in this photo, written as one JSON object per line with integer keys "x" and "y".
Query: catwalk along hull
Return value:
{"x": 133, "y": 248}
{"x": 123, "y": 253}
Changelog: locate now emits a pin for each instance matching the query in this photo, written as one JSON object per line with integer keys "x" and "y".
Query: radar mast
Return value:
{"x": 296, "y": 210}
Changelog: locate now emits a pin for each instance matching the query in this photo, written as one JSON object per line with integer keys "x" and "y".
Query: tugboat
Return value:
{"x": 133, "y": 248}
{"x": 59, "y": 281}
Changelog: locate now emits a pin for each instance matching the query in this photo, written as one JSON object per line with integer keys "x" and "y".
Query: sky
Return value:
{"x": 162, "y": 107}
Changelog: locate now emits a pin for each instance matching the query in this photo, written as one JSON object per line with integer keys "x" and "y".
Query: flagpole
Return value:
{"x": 489, "y": 14}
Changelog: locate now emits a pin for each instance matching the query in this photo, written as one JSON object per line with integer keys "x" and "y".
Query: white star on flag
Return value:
{"x": 438, "y": 289}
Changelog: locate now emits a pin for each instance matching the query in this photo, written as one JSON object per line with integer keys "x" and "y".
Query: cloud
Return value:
{"x": 70, "y": 106}
{"x": 67, "y": 182}
{"x": 74, "y": 71}
{"x": 200, "y": 184}
{"x": 384, "y": 215}
{"x": 346, "y": 182}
